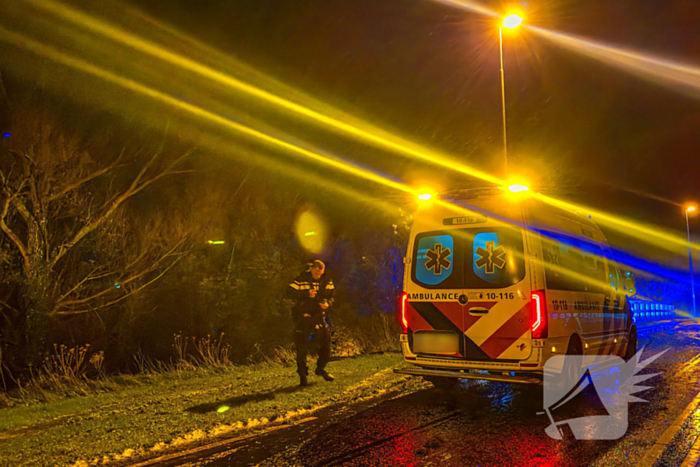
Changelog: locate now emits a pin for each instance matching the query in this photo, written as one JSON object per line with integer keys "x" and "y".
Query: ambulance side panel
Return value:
{"x": 580, "y": 285}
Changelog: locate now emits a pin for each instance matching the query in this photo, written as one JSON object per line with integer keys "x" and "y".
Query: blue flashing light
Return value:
{"x": 6, "y": 135}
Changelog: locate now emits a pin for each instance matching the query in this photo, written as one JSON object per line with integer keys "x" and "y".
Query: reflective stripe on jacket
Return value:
{"x": 299, "y": 291}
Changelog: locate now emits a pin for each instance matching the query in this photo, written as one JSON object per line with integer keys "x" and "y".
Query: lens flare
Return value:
{"x": 652, "y": 67}
{"x": 512, "y": 21}
{"x": 369, "y": 134}
{"x": 194, "y": 110}
{"x": 645, "y": 66}
{"x": 516, "y": 188}
{"x": 311, "y": 231}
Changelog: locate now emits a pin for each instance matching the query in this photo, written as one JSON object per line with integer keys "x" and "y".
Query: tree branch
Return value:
{"x": 136, "y": 186}
{"x": 131, "y": 292}
{"x": 153, "y": 267}
{"x": 10, "y": 234}
{"x": 85, "y": 279}
{"x": 167, "y": 171}
{"x": 86, "y": 179}
{"x": 4, "y": 315}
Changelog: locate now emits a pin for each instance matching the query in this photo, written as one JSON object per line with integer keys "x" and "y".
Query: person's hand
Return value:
{"x": 312, "y": 293}
{"x": 324, "y": 305}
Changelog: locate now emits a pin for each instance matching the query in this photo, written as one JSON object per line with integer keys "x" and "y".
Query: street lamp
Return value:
{"x": 690, "y": 209}
{"x": 510, "y": 22}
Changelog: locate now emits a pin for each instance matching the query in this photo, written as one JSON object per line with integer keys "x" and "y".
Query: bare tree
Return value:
{"x": 71, "y": 247}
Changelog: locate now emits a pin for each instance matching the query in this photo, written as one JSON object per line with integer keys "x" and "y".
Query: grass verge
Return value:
{"x": 171, "y": 410}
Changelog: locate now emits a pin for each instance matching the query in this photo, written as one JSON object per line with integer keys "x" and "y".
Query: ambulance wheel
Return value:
{"x": 631, "y": 344}
{"x": 441, "y": 382}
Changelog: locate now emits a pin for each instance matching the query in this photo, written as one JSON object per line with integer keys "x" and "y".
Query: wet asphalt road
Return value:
{"x": 484, "y": 424}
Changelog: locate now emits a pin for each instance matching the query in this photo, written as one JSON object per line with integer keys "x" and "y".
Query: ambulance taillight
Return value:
{"x": 404, "y": 321}
{"x": 539, "y": 315}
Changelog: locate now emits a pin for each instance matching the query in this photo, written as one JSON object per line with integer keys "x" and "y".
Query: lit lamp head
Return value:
{"x": 512, "y": 21}
{"x": 690, "y": 209}
{"x": 517, "y": 188}
{"x": 425, "y": 197}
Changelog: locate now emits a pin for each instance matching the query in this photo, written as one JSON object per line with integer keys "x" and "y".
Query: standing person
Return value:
{"x": 312, "y": 292}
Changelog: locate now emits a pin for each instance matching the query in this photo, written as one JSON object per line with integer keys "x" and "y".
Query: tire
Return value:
{"x": 441, "y": 382}
{"x": 631, "y": 348}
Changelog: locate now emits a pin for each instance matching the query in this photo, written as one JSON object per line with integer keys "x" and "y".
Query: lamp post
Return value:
{"x": 510, "y": 22}
{"x": 688, "y": 210}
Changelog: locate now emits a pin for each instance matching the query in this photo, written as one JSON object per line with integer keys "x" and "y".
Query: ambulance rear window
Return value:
{"x": 496, "y": 258}
{"x": 437, "y": 260}
{"x": 473, "y": 258}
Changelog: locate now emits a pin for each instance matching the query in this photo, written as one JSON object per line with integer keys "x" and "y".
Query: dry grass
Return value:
{"x": 64, "y": 373}
{"x": 281, "y": 355}
{"x": 212, "y": 353}
{"x": 371, "y": 335}
{"x": 75, "y": 371}
{"x": 191, "y": 353}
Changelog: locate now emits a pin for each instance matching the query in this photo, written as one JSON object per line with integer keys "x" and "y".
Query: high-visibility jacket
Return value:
{"x": 303, "y": 304}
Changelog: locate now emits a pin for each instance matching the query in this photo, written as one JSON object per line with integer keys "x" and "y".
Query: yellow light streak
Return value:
{"x": 150, "y": 48}
{"x": 681, "y": 76}
{"x": 49, "y": 52}
{"x": 289, "y": 170}
{"x": 629, "y": 227}
{"x": 634, "y": 229}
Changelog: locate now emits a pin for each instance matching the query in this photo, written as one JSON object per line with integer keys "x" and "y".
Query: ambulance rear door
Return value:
{"x": 497, "y": 316}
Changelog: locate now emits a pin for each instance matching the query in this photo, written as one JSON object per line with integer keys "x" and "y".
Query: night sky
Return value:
{"x": 429, "y": 72}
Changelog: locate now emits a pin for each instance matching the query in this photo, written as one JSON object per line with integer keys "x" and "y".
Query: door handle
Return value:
{"x": 478, "y": 310}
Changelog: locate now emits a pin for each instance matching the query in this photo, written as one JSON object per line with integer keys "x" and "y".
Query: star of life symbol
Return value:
{"x": 491, "y": 257}
{"x": 588, "y": 395}
{"x": 437, "y": 259}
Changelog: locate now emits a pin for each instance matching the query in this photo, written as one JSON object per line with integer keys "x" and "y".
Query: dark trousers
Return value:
{"x": 304, "y": 335}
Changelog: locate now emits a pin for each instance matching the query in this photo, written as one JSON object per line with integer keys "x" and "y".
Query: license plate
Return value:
{"x": 436, "y": 343}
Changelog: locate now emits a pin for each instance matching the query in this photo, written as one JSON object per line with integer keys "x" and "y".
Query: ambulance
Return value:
{"x": 496, "y": 283}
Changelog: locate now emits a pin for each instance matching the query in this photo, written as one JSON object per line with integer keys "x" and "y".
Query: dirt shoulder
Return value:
{"x": 175, "y": 410}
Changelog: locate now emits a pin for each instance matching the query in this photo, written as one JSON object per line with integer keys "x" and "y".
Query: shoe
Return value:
{"x": 324, "y": 374}
{"x": 302, "y": 381}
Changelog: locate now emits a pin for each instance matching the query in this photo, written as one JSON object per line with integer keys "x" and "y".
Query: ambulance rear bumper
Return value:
{"x": 504, "y": 378}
